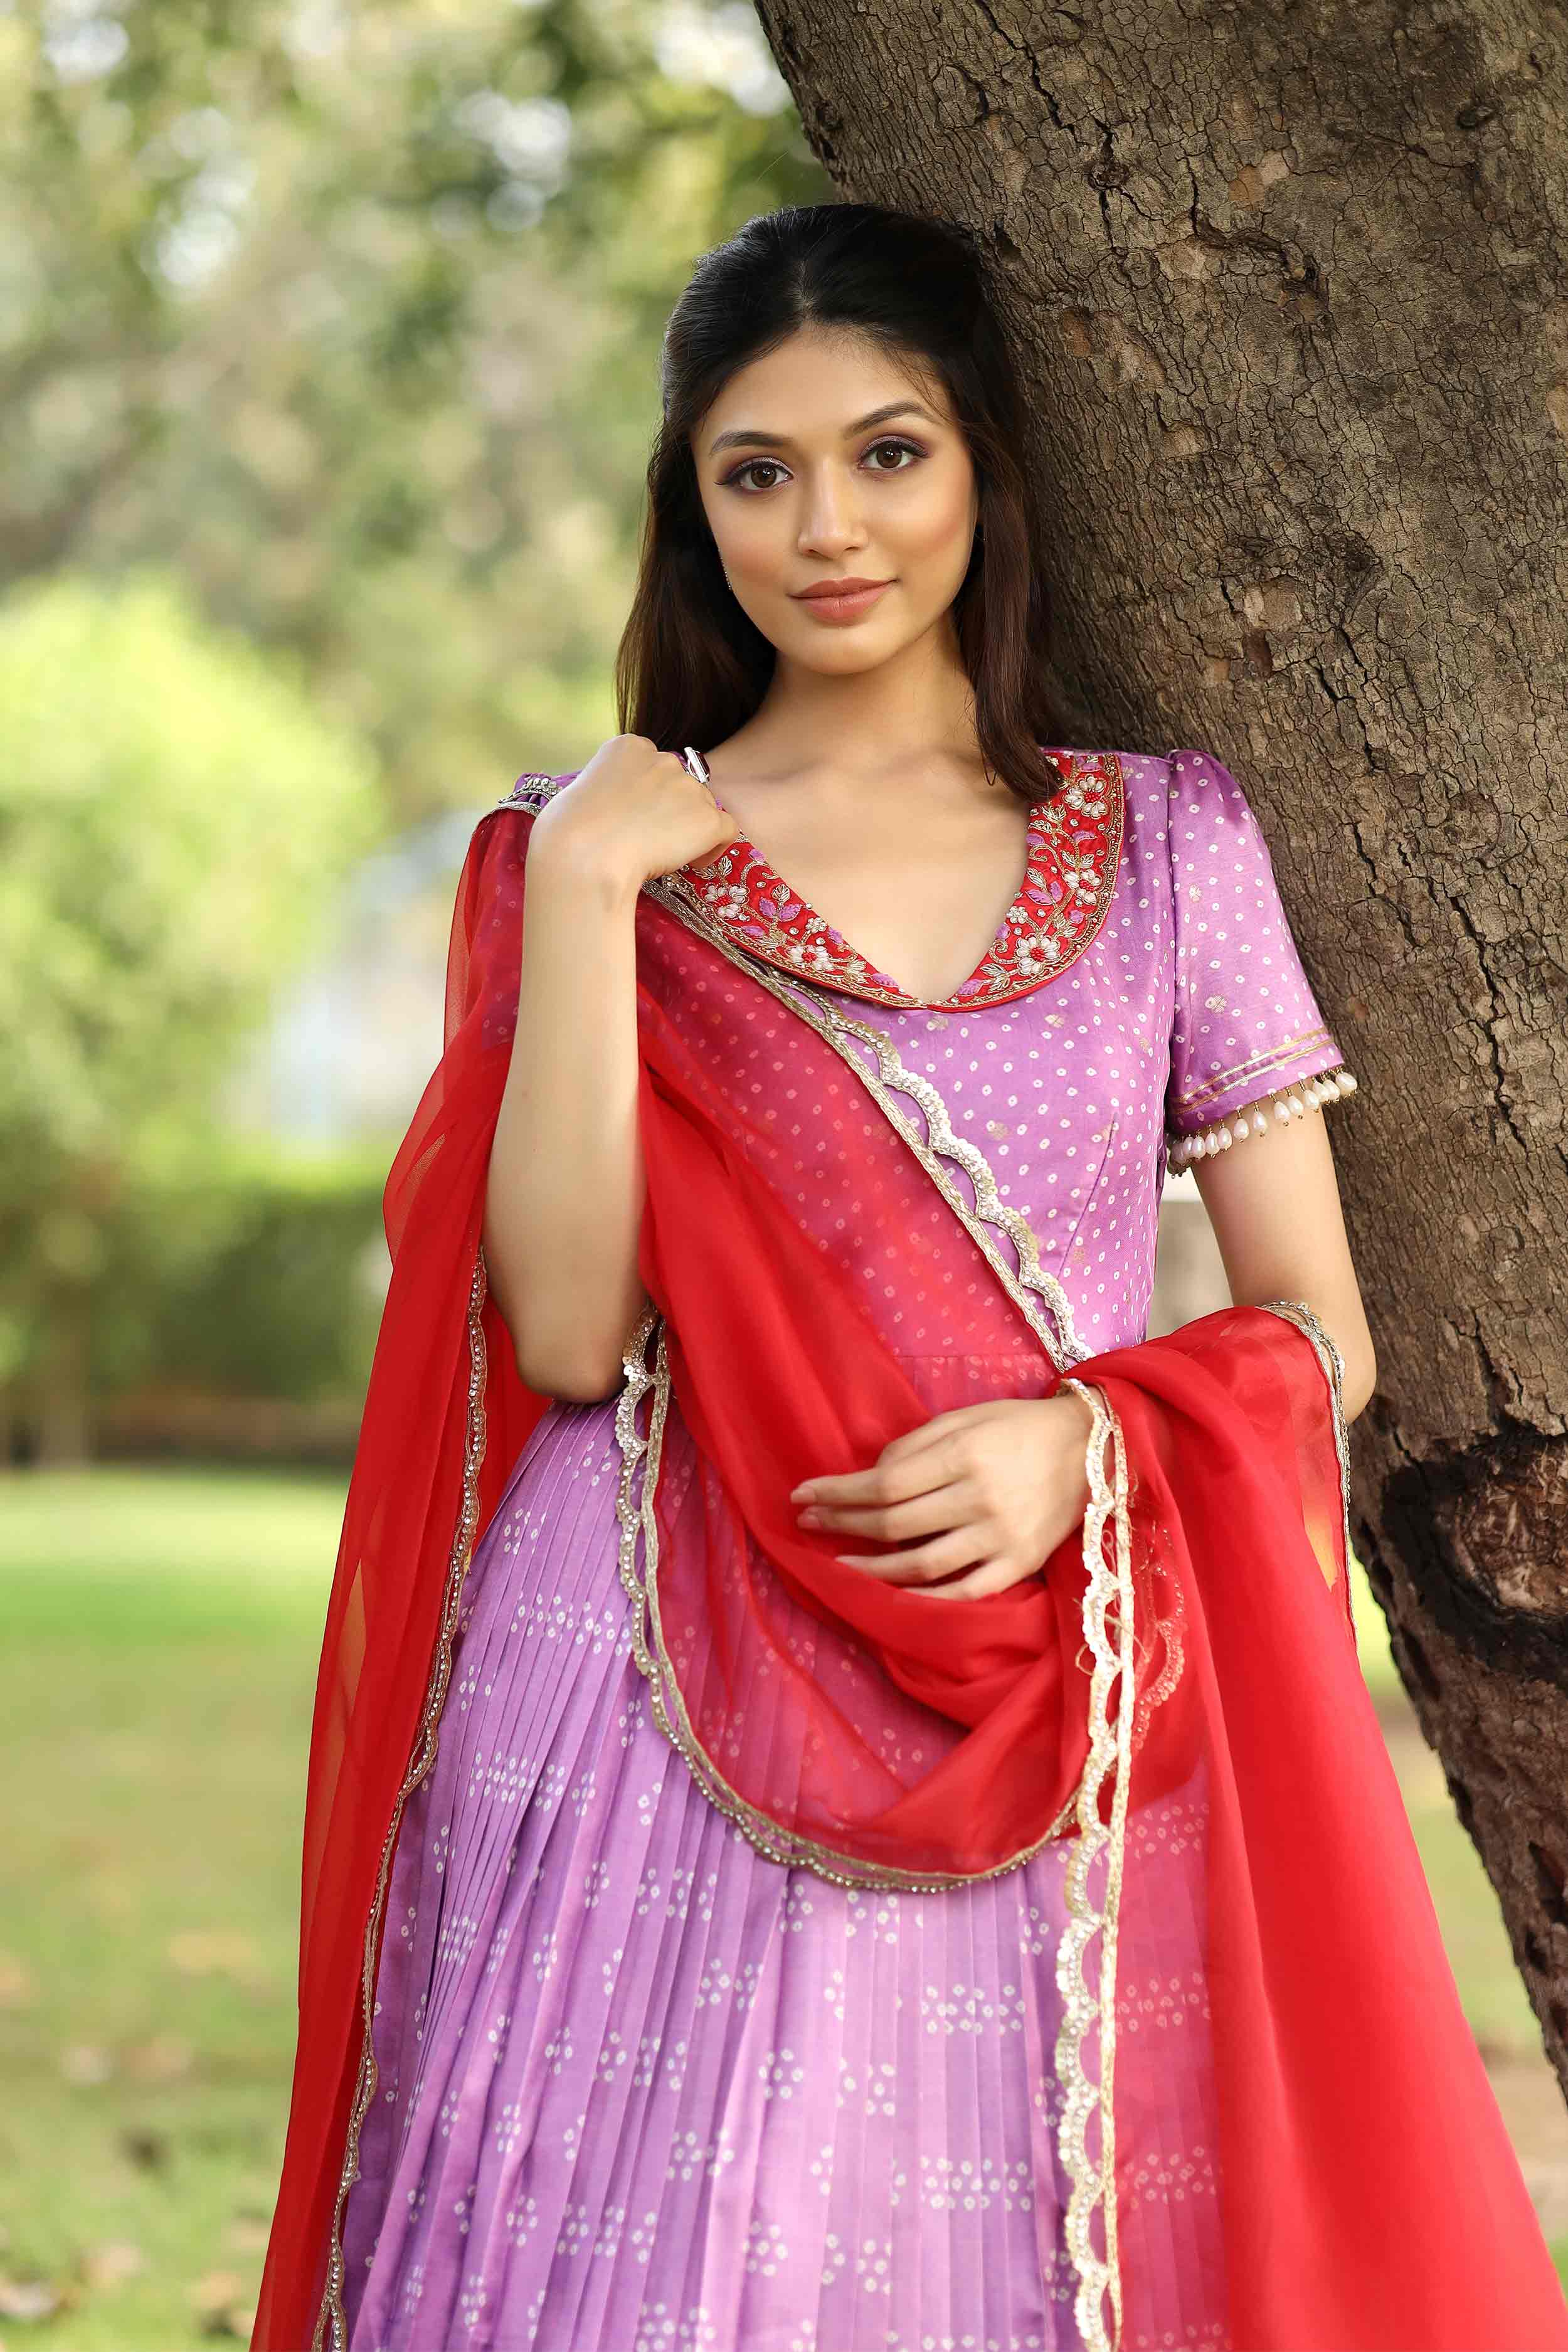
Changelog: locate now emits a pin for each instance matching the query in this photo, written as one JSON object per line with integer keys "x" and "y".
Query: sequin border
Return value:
{"x": 332, "y": 2315}
{"x": 1112, "y": 1675}
{"x": 1093, "y": 2183}
{"x": 737, "y": 891}
{"x": 1060, "y": 1338}
{"x": 639, "y": 1486}
{"x": 1331, "y": 1363}
{"x": 1090, "y": 2181}
{"x": 1257, "y": 1066}
{"x": 1093, "y": 2179}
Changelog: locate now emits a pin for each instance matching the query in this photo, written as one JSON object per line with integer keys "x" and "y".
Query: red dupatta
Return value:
{"x": 1194, "y": 1636}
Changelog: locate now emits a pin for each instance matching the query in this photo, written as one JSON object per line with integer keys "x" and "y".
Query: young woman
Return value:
{"x": 842, "y": 1809}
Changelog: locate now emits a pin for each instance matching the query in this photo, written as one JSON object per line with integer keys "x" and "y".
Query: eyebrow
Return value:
{"x": 757, "y": 437}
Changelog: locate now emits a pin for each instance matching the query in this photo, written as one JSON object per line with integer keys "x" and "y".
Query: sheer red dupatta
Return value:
{"x": 798, "y": 1237}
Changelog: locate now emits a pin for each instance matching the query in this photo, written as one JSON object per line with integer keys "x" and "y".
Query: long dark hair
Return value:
{"x": 692, "y": 666}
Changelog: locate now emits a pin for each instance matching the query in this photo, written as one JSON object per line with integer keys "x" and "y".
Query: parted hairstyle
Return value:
{"x": 692, "y": 666}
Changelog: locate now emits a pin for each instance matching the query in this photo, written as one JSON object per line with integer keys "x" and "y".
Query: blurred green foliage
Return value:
{"x": 249, "y": 1275}
{"x": 354, "y": 315}
{"x": 347, "y": 320}
{"x": 176, "y": 817}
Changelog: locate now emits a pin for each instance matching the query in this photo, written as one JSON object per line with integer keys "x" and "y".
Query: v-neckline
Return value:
{"x": 1075, "y": 839}
{"x": 764, "y": 874}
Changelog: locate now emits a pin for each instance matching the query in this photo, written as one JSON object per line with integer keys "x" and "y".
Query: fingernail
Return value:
{"x": 797, "y": 1494}
{"x": 810, "y": 1518}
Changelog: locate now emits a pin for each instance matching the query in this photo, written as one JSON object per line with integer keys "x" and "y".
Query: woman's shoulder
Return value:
{"x": 1164, "y": 768}
{"x": 534, "y": 788}
{"x": 1172, "y": 805}
{"x": 1138, "y": 775}
{"x": 1137, "y": 782}
{"x": 1145, "y": 786}
{"x": 1161, "y": 788}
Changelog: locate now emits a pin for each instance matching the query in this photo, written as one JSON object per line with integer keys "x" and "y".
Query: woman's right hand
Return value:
{"x": 633, "y": 812}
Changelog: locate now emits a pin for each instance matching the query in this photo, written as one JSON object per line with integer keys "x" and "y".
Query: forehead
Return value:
{"x": 821, "y": 383}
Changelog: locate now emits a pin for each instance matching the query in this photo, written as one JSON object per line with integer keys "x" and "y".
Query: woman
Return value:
{"x": 842, "y": 1808}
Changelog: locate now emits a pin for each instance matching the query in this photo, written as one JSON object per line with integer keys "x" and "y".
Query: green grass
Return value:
{"x": 161, "y": 1635}
{"x": 161, "y": 1638}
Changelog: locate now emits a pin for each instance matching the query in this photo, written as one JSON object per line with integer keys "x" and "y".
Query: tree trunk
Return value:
{"x": 1290, "y": 288}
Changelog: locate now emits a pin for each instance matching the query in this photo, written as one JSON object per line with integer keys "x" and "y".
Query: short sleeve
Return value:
{"x": 1249, "y": 1042}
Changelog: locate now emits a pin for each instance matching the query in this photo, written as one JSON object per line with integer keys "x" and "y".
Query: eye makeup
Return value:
{"x": 884, "y": 441}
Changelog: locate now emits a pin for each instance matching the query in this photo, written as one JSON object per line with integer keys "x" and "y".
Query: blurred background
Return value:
{"x": 329, "y": 345}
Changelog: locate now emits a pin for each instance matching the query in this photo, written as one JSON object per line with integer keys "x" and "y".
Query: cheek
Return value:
{"x": 934, "y": 526}
{"x": 754, "y": 547}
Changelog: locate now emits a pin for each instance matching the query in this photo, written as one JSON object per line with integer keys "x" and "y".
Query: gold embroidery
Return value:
{"x": 635, "y": 1508}
{"x": 1093, "y": 2185}
{"x": 1110, "y": 1742}
{"x": 1074, "y": 855}
{"x": 332, "y": 2314}
{"x": 834, "y": 1025}
{"x": 1297, "y": 1311}
{"x": 1267, "y": 1058}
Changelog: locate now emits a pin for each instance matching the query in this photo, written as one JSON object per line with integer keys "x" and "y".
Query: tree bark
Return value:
{"x": 1290, "y": 290}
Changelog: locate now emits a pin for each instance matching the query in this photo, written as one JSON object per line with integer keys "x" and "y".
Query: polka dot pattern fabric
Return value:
{"x": 1244, "y": 1021}
{"x": 641, "y": 2090}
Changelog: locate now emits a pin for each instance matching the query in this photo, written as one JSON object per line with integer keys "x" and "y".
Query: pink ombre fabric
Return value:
{"x": 642, "y": 2090}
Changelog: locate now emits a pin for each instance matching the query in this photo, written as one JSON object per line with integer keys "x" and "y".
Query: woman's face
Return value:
{"x": 828, "y": 459}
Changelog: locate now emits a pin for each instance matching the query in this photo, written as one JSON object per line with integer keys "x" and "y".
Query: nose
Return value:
{"x": 830, "y": 521}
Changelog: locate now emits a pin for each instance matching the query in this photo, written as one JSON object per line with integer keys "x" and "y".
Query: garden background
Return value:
{"x": 329, "y": 347}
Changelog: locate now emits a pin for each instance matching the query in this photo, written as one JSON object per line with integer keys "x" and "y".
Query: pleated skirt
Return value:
{"x": 642, "y": 2090}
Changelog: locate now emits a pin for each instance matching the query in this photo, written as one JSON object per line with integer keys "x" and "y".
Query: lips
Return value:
{"x": 842, "y": 600}
{"x": 836, "y": 588}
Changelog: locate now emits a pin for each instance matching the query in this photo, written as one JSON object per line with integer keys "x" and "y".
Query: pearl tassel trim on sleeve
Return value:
{"x": 1289, "y": 1103}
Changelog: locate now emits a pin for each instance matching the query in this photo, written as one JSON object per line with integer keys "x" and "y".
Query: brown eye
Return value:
{"x": 901, "y": 448}
{"x": 770, "y": 465}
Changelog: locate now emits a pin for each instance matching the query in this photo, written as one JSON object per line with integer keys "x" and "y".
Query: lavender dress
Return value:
{"x": 642, "y": 2090}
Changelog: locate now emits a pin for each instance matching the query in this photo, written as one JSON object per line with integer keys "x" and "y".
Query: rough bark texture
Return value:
{"x": 1290, "y": 285}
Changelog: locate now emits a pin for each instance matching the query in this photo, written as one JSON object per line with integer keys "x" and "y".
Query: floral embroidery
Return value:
{"x": 1073, "y": 850}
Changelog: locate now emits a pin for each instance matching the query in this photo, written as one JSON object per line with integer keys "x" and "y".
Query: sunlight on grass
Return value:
{"x": 162, "y": 1633}
{"x": 209, "y": 1549}
{"x": 161, "y": 1630}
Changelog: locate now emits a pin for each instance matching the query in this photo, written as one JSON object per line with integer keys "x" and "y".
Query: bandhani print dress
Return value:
{"x": 639, "y": 2088}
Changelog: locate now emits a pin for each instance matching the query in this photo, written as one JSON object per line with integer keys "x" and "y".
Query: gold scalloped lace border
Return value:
{"x": 1033, "y": 1286}
{"x": 635, "y": 1501}
{"x": 1112, "y": 1666}
{"x": 332, "y": 2315}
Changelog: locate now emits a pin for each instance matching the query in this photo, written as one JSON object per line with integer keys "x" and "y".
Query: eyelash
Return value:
{"x": 888, "y": 441}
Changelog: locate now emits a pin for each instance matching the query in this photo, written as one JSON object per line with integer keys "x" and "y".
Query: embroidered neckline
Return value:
{"x": 1073, "y": 849}
{"x": 1074, "y": 853}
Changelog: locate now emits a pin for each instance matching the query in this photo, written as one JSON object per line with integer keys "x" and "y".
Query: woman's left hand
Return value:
{"x": 991, "y": 1489}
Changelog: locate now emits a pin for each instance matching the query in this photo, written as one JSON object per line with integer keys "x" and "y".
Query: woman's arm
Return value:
{"x": 1274, "y": 1204}
{"x": 564, "y": 1201}
{"x": 564, "y": 1196}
